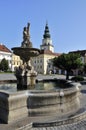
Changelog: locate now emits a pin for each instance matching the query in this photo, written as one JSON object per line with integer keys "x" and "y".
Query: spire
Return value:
{"x": 46, "y": 32}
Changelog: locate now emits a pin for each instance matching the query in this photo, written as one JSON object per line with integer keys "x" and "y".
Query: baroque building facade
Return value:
{"x": 43, "y": 63}
{"x": 13, "y": 60}
{"x": 16, "y": 62}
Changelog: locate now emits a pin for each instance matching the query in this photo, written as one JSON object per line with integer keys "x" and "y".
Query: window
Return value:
{"x": 40, "y": 60}
{"x": 41, "y": 67}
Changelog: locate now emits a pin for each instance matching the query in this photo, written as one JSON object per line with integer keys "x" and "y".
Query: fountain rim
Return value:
{"x": 74, "y": 86}
{"x": 26, "y": 48}
{"x": 31, "y": 52}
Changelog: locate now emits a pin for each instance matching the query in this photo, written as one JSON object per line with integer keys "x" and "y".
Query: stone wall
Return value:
{"x": 14, "y": 106}
{"x": 52, "y": 102}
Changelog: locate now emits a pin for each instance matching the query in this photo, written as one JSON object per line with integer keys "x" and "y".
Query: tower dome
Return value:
{"x": 46, "y": 32}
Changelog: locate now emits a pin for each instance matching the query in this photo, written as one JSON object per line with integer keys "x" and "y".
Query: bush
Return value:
{"x": 77, "y": 78}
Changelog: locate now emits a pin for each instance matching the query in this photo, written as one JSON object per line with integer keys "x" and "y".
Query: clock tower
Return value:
{"x": 46, "y": 41}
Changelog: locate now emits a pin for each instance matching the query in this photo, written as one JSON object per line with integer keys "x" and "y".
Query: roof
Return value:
{"x": 4, "y": 48}
{"x": 81, "y": 52}
{"x": 49, "y": 52}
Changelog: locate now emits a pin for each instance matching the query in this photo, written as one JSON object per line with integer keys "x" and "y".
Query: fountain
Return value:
{"x": 25, "y": 73}
{"x": 30, "y": 102}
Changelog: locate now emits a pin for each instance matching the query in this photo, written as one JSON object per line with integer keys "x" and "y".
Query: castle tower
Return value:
{"x": 46, "y": 41}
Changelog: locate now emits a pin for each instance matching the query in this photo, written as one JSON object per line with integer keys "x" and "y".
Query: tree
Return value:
{"x": 4, "y": 65}
{"x": 68, "y": 62}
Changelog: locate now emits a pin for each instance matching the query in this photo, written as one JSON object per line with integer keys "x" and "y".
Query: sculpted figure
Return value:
{"x": 26, "y": 35}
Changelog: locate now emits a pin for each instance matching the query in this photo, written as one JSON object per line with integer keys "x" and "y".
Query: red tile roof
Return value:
{"x": 81, "y": 52}
{"x": 50, "y": 52}
{"x": 4, "y": 48}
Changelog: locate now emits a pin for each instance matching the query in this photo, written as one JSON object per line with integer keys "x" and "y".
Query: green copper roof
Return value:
{"x": 46, "y": 32}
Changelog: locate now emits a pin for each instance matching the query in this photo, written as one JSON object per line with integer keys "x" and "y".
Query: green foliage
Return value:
{"x": 68, "y": 62}
{"x": 77, "y": 78}
{"x": 4, "y": 65}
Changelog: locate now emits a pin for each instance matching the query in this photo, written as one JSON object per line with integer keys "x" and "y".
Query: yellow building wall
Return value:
{"x": 46, "y": 61}
{"x": 16, "y": 61}
{"x": 40, "y": 63}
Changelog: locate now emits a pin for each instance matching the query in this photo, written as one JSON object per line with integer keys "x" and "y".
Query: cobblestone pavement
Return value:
{"x": 21, "y": 125}
{"x": 11, "y": 76}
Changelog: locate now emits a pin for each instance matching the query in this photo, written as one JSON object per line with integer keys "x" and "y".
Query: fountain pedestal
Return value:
{"x": 26, "y": 80}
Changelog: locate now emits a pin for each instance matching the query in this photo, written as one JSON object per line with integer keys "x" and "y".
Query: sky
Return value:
{"x": 66, "y": 20}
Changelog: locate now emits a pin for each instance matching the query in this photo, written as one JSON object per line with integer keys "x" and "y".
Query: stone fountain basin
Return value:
{"x": 21, "y": 51}
{"x": 16, "y": 105}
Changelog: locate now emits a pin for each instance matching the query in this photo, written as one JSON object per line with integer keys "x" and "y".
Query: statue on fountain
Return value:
{"x": 25, "y": 73}
{"x": 26, "y": 37}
